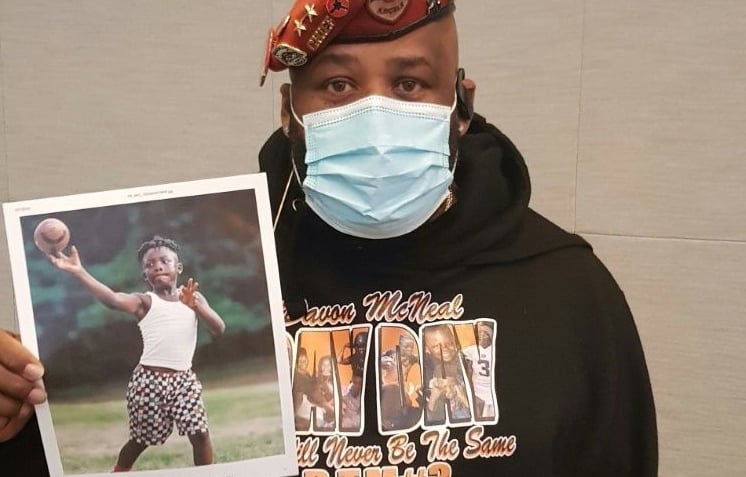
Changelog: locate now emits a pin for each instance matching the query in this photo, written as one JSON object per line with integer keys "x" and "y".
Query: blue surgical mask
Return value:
{"x": 377, "y": 168}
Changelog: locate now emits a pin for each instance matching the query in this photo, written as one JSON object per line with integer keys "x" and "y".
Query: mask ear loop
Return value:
{"x": 292, "y": 153}
{"x": 282, "y": 202}
{"x": 454, "y": 107}
{"x": 292, "y": 109}
{"x": 294, "y": 172}
{"x": 451, "y": 199}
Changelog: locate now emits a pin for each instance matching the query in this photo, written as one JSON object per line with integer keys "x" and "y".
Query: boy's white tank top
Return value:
{"x": 169, "y": 334}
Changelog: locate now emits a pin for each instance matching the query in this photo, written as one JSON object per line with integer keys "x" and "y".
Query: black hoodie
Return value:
{"x": 558, "y": 387}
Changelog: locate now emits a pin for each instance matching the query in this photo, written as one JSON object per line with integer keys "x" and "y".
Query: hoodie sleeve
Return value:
{"x": 623, "y": 434}
{"x": 23, "y": 456}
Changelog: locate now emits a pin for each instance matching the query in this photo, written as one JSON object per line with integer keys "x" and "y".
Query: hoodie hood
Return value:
{"x": 490, "y": 222}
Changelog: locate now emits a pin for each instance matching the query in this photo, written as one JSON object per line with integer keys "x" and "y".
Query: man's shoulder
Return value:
{"x": 542, "y": 230}
{"x": 470, "y": 351}
{"x": 562, "y": 258}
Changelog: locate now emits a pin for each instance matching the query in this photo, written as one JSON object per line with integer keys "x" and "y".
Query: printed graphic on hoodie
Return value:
{"x": 328, "y": 380}
{"x": 432, "y": 378}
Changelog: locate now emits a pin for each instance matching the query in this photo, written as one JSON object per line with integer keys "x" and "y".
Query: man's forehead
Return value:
{"x": 437, "y": 335}
{"x": 312, "y": 25}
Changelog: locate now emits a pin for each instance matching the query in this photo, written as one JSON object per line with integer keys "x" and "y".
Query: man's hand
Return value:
{"x": 20, "y": 385}
{"x": 70, "y": 264}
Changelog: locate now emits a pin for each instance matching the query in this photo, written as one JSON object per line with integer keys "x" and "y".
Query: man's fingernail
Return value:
{"x": 36, "y": 396}
{"x": 33, "y": 372}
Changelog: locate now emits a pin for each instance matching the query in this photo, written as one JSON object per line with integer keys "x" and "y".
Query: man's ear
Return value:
{"x": 179, "y": 268}
{"x": 466, "y": 92}
{"x": 285, "y": 111}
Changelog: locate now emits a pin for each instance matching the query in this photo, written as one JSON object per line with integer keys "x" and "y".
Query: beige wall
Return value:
{"x": 631, "y": 116}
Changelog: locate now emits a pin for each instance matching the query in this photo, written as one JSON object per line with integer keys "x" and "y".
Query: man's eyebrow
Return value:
{"x": 405, "y": 62}
{"x": 335, "y": 59}
{"x": 345, "y": 59}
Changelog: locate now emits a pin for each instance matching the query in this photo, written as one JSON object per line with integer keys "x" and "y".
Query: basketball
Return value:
{"x": 51, "y": 236}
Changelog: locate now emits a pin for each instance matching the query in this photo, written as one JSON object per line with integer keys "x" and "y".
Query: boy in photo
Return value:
{"x": 163, "y": 389}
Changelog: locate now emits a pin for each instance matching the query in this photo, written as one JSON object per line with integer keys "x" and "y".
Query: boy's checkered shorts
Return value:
{"x": 155, "y": 401}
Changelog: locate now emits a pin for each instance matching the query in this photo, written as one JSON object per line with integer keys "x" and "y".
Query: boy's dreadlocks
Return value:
{"x": 155, "y": 242}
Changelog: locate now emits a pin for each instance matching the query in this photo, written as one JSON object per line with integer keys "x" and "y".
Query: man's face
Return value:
{"x": 361, "y": 343}
{"x": 325, "y": 367}
{"x": 389, "y": 373}
{"x": 485, "y": 335}
{"x": 407, "y": 349}
{"x": 440, "y": 343}
{"x": 161, "y": 268}
{"x": 419, "y": 67}
{"x": 302, "y": 363}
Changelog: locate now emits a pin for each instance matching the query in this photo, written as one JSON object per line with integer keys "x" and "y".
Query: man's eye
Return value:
{"x": 338, "y": 86}
{"x": 408, "y": 86}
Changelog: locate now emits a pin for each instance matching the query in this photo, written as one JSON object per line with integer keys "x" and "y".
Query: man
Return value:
{"x": 395, "y": 409}
{"x": 351, "y": 395}
{"x": 323, "y": 396}
{"x": 356, "y": 354}
{"x": 302, "y": 389}
{"x": 351, "y": 392}
{"x": 444, "y": 377}
{"x": 395, "y": 200}
{"x": 479, "y": 359}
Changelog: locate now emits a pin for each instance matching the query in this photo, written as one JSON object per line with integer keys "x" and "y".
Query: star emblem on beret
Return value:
{"x": 311, "y": 11}
{"x": 299, "y": 27}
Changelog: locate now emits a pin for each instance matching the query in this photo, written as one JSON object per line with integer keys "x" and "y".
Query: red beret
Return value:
{"x": 311, "y": 25}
